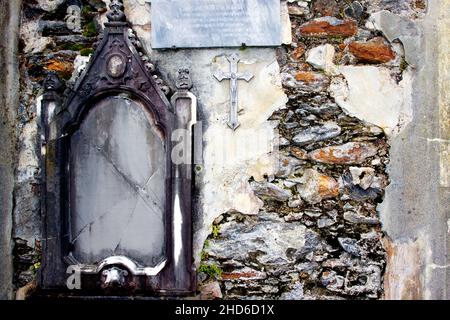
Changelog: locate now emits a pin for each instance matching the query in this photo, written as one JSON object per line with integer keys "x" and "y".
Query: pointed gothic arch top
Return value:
{"x": 118, "y": 65}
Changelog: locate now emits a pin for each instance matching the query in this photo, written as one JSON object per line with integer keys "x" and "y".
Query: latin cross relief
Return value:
{"x": 234, "y": 76}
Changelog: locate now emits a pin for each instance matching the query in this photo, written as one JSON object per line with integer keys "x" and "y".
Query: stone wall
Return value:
{"x": 318, "y": 234}
{"x": 46, "y": 44}
{"x": 293, "y": 218}
{"x": 9, "y": 79}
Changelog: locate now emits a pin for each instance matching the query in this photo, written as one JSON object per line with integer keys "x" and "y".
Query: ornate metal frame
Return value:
{"x": 116, "y": 68}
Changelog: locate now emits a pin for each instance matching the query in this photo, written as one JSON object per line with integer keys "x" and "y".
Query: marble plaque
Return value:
{"x": 117, "y": 171}
{"x": 215, "y": 23}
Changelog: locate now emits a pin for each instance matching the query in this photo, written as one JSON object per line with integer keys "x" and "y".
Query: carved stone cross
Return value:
{"x": 233, "y": 76}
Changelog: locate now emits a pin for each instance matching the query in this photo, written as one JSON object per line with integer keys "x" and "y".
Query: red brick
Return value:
{"x": 374, "y": 51}
{"x": 329, "y": 27}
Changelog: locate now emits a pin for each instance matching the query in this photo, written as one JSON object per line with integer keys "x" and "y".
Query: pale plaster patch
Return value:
{"x": 367, "y": 92}
{"x": 371, "y": 94}
{"x": 138, "y": 11}
{"x": 28, "y": 163}
{"x": 79, "y": 65}
{"x": 232, "y": 157}
{"x": 286, "y": 27}
{"x": 321, "y": 58}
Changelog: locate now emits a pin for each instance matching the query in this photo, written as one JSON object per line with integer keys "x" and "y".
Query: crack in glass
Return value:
{"x": 116, "y": 146}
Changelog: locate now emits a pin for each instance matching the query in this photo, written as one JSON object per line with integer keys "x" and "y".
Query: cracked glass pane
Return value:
{"x": 117, "y": 191}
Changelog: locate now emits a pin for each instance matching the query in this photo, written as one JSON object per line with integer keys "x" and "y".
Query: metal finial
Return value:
{"x": 116, "y": 13}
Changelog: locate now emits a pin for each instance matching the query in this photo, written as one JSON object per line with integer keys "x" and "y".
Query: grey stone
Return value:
{"x": 372, "y": 235}
{"x": 332, "y": 281}
{"x": 324, "y": 111}
{"x": 364, "y": 177}
{"x": 313, "y": 214}
{"x": 267, "y": 190}
{"x": 356, "y": 218}
{"x": 307, "y": 267}
{"x": 295, "y": 202}
{"x": 289, "y": 184}
{"x": 267, "y": 239}
{"x": 202, "y": 23}
{"x": 399, "y": 8}
{"x": 326, "y": 131}
{"x": 293, "y": 216}
{"x": 287, "y": 166}
{"x": 291, "y": 125}
{"x": 320, "y": 257}
{"x": 27, "y": 212}
{"x": 302, "y": 9}
{"x": 344, "y": 261}
{"x": 270, "y": 289}
{"x": 358, "y": 193}
{"x": 351, "y": 246}
{"x": 354, "y": 11}
{"x": 371, "y": 273}
{"x": 295, "y": 293}
{"x": 283, "y": 142}
{"x": 325, "y": 222}
{"x": 289, "y": 115}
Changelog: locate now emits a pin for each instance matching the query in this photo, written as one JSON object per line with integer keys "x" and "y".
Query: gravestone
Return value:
{"x": 111, "y": 191}
{"x": 215, "y": 23}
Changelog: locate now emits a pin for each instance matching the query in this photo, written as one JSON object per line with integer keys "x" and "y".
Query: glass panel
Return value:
{"x": 118, "y": 168}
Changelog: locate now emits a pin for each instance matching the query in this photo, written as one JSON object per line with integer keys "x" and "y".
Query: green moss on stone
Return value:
{"x": 215, "y": 231}
{"x": 211, "y": 270}
{"x": 403, "y": 65}
{"x": 86, "y": 51}
{"x": 72, "y": 46}
{"x": 90, "y": 30}
{"x": 204, "y": 256}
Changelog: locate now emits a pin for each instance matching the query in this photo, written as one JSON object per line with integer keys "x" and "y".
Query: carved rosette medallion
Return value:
{"x": 116, "y": 65}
